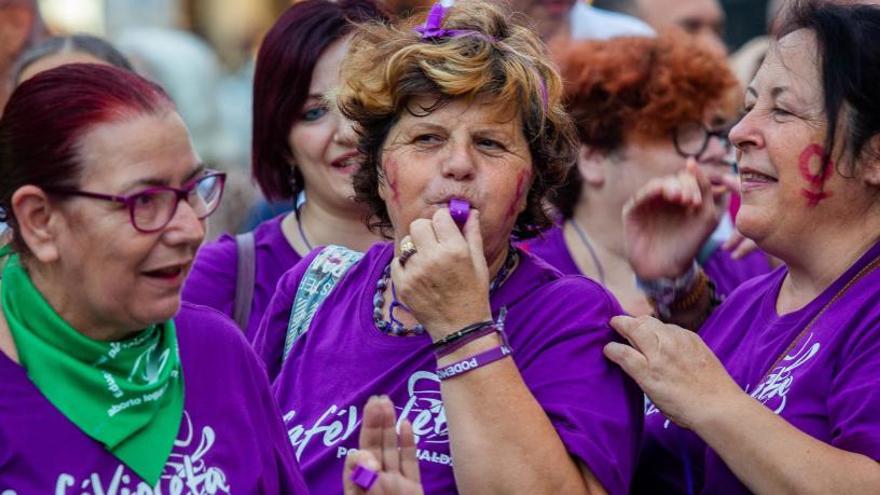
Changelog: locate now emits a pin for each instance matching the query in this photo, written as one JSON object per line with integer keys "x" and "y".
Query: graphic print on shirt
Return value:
{"x": 423, "y": 408}
{"x": 186, "y": 472}
{"x": 773, "y": 392}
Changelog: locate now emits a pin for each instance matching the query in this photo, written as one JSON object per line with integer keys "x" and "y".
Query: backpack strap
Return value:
{"x": 245, "y": 278}
{"x": 322, "y": 275}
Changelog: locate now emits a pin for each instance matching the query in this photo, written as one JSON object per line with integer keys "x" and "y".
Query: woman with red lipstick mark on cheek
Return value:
{"x": 492, "y": 355}
{"x": 107, "y": 380}
{"x": 780, "y": 391}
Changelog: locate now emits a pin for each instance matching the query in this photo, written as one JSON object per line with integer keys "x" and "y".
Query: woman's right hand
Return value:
{"x": 669, "y": 219}
{"x": 385, "y": 452}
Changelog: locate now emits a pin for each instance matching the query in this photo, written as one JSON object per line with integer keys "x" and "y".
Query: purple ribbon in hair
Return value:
{"x": 433, "y": 27}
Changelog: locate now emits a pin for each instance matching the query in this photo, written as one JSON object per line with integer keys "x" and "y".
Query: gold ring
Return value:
{"x": 407, "y": 249}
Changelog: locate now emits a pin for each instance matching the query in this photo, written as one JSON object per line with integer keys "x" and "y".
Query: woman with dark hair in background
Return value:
{"x": 642, "y": 108}
{"x": 780, "y": 390}
{"x": 302, "y": 151}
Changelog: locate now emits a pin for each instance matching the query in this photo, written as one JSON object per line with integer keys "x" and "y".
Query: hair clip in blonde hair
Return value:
{"x": 433, "y": 27}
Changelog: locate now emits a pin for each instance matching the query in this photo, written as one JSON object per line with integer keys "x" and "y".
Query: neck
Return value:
{"x": 58, "y": 295}
{"x": 605, "y": 230}
{"x": 813, "y": 266}
{"x": 324, "y": 225}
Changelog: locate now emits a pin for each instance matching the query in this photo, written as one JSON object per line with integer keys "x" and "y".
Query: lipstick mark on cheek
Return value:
{"x": 391, "y": 180}
{"x": 814, "y": 154}
{"x": 521, "y": 181}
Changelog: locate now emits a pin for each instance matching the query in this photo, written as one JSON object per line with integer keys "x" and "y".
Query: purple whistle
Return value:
{"x": 459, "y": 209}
{"x": 364, "y": 477}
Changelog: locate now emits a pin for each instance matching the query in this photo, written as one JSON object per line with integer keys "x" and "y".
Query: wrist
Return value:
{"x": 668, "y": 294}
{"x": 440, "y": 329}
{"x": 470, "y": 349}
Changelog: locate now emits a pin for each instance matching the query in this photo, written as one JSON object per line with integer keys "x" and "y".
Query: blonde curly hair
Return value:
{"x": 388, "y": 66}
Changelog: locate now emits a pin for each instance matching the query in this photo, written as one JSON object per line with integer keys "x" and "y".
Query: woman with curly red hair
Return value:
{"x": 643, "y": 108}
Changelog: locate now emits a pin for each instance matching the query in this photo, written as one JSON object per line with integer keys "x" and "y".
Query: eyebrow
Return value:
{"x": 162, "y": 182}
{"x": 774, "y": 93}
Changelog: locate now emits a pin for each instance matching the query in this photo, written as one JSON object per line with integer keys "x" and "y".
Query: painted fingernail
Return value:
{"x": 364, "y": 477}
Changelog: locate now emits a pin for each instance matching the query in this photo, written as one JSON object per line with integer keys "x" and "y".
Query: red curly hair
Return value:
{"x": 645, "y": 86}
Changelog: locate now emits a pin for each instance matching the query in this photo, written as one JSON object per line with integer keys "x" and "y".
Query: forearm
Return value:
{"x": 770, "y": 456}
{"x": 501, "y": 440}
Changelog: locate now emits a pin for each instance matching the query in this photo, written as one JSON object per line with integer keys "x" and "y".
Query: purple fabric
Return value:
{"x": 828, "y": 386}
{"x": 231, "y": 438}
{"x": 557, "y": 326}
{"x": 724, "y": 271}
{"x": 212, "y": 279}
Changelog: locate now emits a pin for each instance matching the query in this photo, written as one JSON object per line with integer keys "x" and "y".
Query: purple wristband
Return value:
{"x": 364, "y": 477}
{"x": 472, "y": 363}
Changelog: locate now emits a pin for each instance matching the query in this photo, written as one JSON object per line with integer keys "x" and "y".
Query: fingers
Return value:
{"x": 371, "y": 436}
{"x": 640, "y": 332}
{"x": 390, "y": 454}
{"x": 630, "y": 360}
{"x": 409, "y": 463}
{"x": 445, "y": 228}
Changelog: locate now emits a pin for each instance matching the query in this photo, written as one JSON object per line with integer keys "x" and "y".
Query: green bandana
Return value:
{"x": 128, "y": 395}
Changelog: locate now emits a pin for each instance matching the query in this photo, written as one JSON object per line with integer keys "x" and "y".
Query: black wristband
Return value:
{"x": 464, "y": 332}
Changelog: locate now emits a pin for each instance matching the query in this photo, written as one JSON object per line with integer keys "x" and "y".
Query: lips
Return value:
{"x": 751, "y": 180}
{"x": 169, "y": 272}
{"x": 346, "y": 161}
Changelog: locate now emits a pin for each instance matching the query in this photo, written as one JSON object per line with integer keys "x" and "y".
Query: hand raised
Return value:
{"x": 385, "y": 452}
{"x": 668, "y": 220}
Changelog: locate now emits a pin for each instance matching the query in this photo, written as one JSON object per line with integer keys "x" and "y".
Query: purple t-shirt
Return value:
{"x": 213, "y": 277}
{"x": 726, "y": 272}
{"x": 827, "y": 386}
{"x": 231, "y": 437}
{"x": 557, "y": 326}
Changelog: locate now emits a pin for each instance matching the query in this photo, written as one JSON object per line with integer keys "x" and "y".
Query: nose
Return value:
{"x": 746, "y": 133}
{"x": 345, "y": 134}
{"x": 459, "y": 164}
{"x": 185, "y": 228}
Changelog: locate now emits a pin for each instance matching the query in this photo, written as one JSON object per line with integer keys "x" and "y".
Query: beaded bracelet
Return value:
{"x": 472, "y": 363}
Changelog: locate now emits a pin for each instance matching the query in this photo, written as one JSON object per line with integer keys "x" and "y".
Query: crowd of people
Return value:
{"x": 515, "y": 260}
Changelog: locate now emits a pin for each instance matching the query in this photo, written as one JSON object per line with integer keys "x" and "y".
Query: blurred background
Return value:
{"x": 202, "y": 51}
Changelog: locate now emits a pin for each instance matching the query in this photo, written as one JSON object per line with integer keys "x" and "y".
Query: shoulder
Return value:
{"x": 545, "y": 290}
{"x": 199, "y": 325}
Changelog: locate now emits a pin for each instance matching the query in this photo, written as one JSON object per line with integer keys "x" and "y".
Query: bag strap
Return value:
{"x": 322, "y": 275}
{"x": 245, "y": 278}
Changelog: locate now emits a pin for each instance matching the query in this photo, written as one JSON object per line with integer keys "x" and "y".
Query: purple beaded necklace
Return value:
{"x": 393, "y": 326}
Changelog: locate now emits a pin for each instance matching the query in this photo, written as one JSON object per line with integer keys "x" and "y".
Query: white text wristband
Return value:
{"x": 472, "y": 363}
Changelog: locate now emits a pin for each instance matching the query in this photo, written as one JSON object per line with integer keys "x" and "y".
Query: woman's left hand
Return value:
{"x": 445, "y": 284}
{"x": 674, "y": 367}
{"x": 381, "y": 449}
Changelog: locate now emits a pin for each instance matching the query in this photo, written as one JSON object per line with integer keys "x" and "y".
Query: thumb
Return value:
{"x": 474, "y": 237}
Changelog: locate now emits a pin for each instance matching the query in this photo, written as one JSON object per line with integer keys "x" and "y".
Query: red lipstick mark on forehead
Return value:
{"x": 811, "y": 167}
